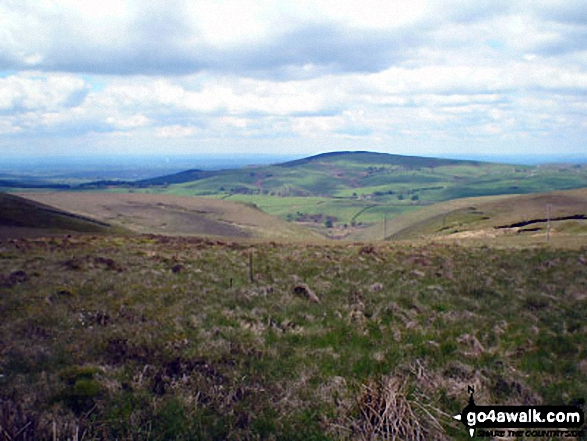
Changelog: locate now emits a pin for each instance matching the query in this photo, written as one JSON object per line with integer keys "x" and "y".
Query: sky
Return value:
{"x": 460, "y": 78}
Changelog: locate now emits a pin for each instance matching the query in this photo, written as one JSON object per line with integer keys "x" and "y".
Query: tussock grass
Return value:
{"x": 167, "y": 338}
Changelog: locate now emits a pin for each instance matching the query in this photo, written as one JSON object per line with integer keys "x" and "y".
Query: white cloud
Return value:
{"x": 176, "y": 131}
{"x": 232, "y": 22}
{"x": 39, "y": 91}
{"x": 259, "y": 73}
{"x": 131, "y": 122}
{"x": 7, "y": 128}
{"x": 371, "y": 14}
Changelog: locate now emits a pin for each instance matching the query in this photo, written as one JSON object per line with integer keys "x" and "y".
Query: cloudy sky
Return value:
{"x": 491, "y": 77}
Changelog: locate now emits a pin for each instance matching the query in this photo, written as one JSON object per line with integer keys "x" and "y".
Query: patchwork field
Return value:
{"x": 147, "y": 337}
{"x": 489, "y": 220}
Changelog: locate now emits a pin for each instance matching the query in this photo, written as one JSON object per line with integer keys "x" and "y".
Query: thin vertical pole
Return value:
{"x": 251, "y": 274}
{"x": 384, "y": 226}
{"x": 548, "y": 207}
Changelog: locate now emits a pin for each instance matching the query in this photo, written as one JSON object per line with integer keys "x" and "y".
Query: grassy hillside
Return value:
{"x": 340, "y": 174}
{"x": 350, "y": 190}
{"x": 171, "y": 338}
{"x": 412, "y": 224}
{"x": 174, "y": 215}
{"x": 340, "y": 194}
{"x": 370, "y": 158}
{"x": 521, "y": 219}
{"x": 20, "y": 216}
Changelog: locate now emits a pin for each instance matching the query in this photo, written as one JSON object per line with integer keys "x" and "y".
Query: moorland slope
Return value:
{"x": 174, "y": 215}
{"x": 509, "y": 219}
{"x": 24, "y": 217}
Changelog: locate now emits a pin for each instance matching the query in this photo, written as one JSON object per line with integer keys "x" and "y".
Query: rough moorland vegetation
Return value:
{"x": 158, "y": 338}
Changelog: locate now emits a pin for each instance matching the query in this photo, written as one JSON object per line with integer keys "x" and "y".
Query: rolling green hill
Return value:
{"x": 335, "y": 174}
{"x": 340, "y": 192}
{"x": 368, "y": 158}
{"x": 343, "y": 194}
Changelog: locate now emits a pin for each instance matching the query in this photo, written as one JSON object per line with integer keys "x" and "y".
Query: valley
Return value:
{"x": 200, "y": 310}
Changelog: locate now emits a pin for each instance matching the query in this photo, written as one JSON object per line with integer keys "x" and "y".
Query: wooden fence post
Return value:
{"x": 251, "y": 271}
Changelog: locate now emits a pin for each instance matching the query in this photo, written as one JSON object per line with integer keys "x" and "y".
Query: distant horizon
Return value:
{"x": 136, "y": 167}
{"x": 266, "y": 158}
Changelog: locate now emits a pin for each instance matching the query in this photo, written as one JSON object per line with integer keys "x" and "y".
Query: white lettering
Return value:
{"x": 523, "y": 417}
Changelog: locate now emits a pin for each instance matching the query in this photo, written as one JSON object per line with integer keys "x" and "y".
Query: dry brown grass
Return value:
{"x": 173, "y": 215}
{"x": 386, "y": 413}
